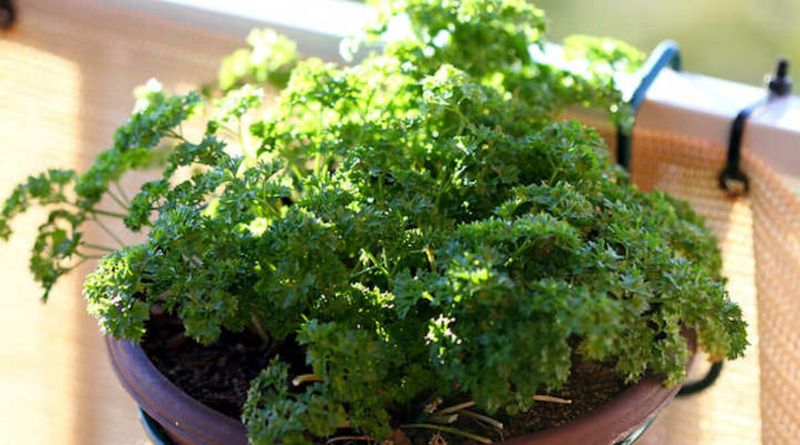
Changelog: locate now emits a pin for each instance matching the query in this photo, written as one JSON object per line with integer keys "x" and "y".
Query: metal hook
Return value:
{"x": 665, "y": 54}
{"x": 732, "y": 179}
{"x": 701, "y": 385}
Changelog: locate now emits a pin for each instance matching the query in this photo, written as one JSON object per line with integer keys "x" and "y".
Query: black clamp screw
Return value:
{"x": 732, "y": 179}
{"x": 7, "y": 14}
{"x": 780, "y": 84}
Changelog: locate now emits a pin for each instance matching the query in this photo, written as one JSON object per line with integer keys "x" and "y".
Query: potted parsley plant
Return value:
{"x": 410, "y": 249}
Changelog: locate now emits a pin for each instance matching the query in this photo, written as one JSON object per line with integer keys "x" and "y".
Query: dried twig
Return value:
{"x": 483, "y": 418}
{"x": 447, "y": 429}
{"x": 306, "y": 378}
{"x": 551, "y": 399}
{"x": 442, "y": 419}
{"x": 431, "y": 407}
{"x": 455, "y": 408}
{"x": 350, "y": 438}
{"x": 437, "y": 439}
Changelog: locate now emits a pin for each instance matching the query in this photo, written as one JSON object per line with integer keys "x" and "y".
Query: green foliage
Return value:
{"x": 618, "y": 55}
{"x": 279, "y": 416}
{"x": 75, "y": 199}
{"x": 269, "y": 60}
{"x": 418, "y": 227}
{"x": 478, "y": 36}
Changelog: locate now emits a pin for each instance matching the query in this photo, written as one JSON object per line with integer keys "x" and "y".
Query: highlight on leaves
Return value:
{"x": 419, "y": 226}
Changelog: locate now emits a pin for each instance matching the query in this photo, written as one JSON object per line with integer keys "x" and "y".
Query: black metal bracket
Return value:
{"x": 701, "y": 385}
{"x": 665, "y": 54}
{"x": 732, "y": 179}
{"x": 7, "y": 14}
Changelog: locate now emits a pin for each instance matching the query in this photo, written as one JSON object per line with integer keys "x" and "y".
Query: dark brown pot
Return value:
{"x": 185, "y": 420}
{"x": 188, "y": 422}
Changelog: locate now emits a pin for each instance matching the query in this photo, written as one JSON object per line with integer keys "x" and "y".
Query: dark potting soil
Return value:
{"x": 589, "y": 386}
{"x": 219, "y": 375}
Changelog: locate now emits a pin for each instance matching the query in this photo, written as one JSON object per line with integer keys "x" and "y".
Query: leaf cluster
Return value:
{"x": 419, "y": 226}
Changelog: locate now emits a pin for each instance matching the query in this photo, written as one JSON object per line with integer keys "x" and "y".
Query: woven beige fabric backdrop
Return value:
{"x": 66, "y": 72}
{"x": 728, "y": 412}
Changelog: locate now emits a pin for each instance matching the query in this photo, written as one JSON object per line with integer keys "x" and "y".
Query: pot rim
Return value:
{"x": 186, "y": 419}
{"x": 189, "y": 419}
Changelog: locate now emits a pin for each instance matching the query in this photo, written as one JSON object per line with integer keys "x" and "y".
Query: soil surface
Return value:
{"x": 219, "y": 375}
{"x": 589, "y": 386}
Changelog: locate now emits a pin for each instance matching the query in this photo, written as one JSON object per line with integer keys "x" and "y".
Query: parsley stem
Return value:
{"x": 86, "y": 257}
{"x": 108, "y": 213}
{"x": 233, "y": 134}
{"x": 306, "y": 378}
{"x": 349, "y": 438}
{"x": 122, "y": 193}
{"x": 98, "y": 247}
{"x": 174, "y": 135}
{"x": 447, "y": 429}
{"x": 106, "y": 229}
{"x": 117, "y": 199}
{"x": 240, "y": 133}
{"x": 76, "y": 265}
{"x": 456, "y": 408}
{"x": 259, "y": 329}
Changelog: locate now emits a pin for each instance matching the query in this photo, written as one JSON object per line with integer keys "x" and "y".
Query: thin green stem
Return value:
{"x": 375, "y": 261}
{"x": 230, "y": 131}
{"x": 240, "y": 133}
{"x": 317, "y": 163}
{"x": 87, "y": 257}
{"x": 447, "y": 429}
{"x": 98, "y": 247}
{"x": 258, "y": 327}
{"x": 108, "y": 213}
{"x": 349, "y": 439}
{"x": 275, "y": 211}
{"x": 363, "y": 271}
{"x": 117, "y": 199}
{"x": 174, "y": 135}
{"x": 76, "y": 265}
{"x": 122, "y": 193}
{"x": 108, "y": 231}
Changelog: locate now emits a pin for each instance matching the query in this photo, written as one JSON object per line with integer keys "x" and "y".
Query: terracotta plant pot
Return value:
{"x": 188, "y": 422}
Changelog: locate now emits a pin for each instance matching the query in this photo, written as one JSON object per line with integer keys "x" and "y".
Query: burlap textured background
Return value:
{"x": 728, "y": 412}
{"x": 66, "y": 71}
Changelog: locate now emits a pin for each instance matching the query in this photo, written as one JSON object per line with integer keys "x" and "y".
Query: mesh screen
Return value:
{"x": 776, "y": 235}
{"x": 755, "y": 399}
